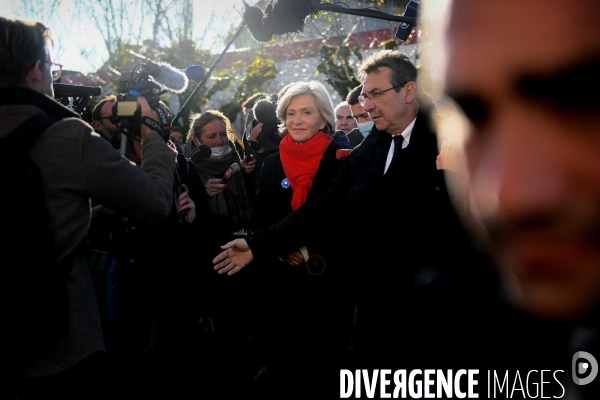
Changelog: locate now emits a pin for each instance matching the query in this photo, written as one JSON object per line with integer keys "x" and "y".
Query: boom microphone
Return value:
{"x": 405, "y": 29}
{"x": 289, "y": 16}
{"x": 166, "y": 75}
{"x": 232, "y": 170}
{"x": 201, "y": 153}
{"x": 195, "y": 73}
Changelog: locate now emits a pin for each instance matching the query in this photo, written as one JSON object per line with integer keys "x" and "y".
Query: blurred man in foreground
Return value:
{"x": 522, "y": 79}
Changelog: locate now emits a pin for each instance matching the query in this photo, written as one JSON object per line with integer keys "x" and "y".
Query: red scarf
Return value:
{"x": 301, "y": 162}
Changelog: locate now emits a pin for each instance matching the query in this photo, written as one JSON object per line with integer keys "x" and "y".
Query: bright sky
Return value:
{"x": 78, "y": 43}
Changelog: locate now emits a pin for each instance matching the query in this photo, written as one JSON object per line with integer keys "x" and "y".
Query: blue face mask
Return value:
{"x": 365, "y": 127}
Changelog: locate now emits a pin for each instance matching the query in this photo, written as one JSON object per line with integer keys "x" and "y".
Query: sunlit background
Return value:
{"x": 98, "y": 40}
{"x": 81, "y": 28}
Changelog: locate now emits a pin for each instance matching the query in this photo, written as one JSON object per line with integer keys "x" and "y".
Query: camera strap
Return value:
{"x": 166, "y": 127}
{"x": 152, "y": 124}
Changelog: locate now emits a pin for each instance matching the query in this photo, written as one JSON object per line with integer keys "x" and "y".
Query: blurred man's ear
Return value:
{"x": 96, "y": 125}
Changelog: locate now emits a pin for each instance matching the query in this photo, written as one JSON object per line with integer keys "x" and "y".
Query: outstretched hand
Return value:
{"x": 236, "y": 256}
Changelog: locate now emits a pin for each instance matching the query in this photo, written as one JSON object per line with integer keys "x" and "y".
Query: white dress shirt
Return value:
{"x": 406, "y": 134}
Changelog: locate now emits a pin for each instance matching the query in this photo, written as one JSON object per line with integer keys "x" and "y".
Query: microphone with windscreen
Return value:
{"x": 289, "y": 16}
{"x": 201, "y": 153}
{"x": 166, "y": 75}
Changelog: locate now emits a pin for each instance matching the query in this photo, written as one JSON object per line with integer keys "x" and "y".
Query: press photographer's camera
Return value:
{"x": 126, "y": 113}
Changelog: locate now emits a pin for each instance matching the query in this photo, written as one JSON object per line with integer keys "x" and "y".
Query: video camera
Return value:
{"x": 76, "y": 97}
{"x": 126, "y": 113}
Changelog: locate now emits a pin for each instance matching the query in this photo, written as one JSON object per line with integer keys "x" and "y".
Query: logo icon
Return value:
{"x": 584, "y": 368}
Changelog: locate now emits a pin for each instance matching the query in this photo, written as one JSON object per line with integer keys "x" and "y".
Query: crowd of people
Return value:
{"x": 398, "y": 229}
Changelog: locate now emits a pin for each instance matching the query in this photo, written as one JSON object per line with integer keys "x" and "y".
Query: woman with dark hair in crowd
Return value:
{"x": 229, "y": 216}
{"x": 301, "y": 317}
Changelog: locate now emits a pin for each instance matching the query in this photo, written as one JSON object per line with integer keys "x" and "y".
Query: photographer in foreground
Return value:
{"x": 153, "y": 311}
{"x": 76, "y": 164}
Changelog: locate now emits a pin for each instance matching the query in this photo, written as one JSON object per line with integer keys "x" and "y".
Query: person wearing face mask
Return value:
{"x": 230, "y": 211}
{"x": 230, "y": 206}
{"x": 363, "y": 119}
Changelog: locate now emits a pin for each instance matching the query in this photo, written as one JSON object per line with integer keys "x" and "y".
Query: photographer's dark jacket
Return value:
{"x": 77, "y": 164}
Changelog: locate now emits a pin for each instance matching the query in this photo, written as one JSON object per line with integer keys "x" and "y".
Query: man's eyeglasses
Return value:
{"x": 374, "y": 96}
{"x": 56, "y": 70}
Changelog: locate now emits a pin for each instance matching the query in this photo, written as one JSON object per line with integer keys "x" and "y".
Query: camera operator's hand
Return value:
{"x": 146, "y": 112}
{"x": 214, "y": 187}
{"x": 248, "y": 166}
{"x": 185, "y": 203}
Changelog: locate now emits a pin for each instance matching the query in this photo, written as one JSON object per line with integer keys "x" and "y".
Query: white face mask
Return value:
{"x": 220, "y": 151}
{"x": 365, "y": 127}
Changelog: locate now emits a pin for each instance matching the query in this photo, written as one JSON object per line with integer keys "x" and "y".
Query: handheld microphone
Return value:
{"x": 232, "y": 170}
{"x": 264, "y": 111}
{"x": 405, "y": 29}
{"x": 342, "y": 154}
{"x": 195, "y": 73}
{"x": 201, "y": 153}
{"x": 167, "y": 76}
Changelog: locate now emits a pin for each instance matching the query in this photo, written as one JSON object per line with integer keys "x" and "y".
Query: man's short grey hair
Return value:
{"x": 340, "y": 105}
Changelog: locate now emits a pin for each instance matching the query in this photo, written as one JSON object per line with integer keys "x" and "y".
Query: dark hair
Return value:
{"x": 97, "y": 111}
{"x": 402, "y": 69}
{"x": 352, "y": 97}
{"x": 22, "y": 45}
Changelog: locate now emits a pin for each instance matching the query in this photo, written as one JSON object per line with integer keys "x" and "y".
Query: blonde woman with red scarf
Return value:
{"x": 299, "y": 332}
